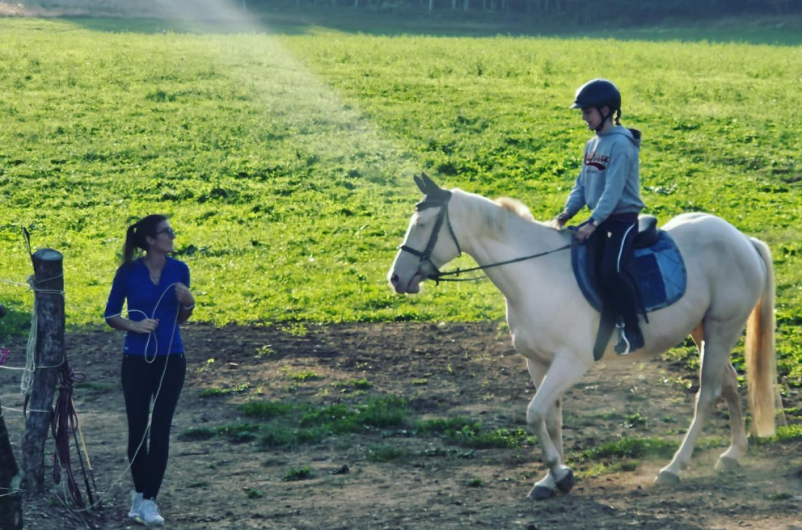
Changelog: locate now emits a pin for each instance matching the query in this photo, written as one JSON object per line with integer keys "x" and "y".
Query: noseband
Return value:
{"x": 425, "y": 256}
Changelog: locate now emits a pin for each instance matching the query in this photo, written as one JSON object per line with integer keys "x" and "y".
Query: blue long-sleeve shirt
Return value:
{"x": 608, "y": 182}
{"x": 132, "y": 284}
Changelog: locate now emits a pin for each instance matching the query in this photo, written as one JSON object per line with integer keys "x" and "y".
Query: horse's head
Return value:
{"x": 429, "y": 243}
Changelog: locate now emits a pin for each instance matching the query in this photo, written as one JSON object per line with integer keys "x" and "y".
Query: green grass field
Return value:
{"x": 285, "y": 159}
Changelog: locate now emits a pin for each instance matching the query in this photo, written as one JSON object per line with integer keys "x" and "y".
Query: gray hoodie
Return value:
{"x": 608, "y": 182}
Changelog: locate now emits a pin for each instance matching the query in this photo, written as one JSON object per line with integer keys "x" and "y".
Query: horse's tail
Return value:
{"x": 761, "y": 359}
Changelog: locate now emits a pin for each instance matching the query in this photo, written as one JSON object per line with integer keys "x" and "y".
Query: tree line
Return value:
{"x": 579, "y": 10}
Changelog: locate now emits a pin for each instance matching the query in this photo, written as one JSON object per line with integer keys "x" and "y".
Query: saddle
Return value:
{"x": 657, "y": 270}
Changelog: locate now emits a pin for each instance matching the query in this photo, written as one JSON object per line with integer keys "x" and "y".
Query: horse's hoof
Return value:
{"x": 567, "y": 482}
{"x": 540, "y": 493}
{"x": 666, "y": 478}
{"x": 726, "y": 464}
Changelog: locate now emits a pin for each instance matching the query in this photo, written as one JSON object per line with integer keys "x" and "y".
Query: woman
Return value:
{"x": 156, "y": 288}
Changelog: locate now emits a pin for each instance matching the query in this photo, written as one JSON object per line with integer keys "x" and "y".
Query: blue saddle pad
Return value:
{"x": 660, "y": 272}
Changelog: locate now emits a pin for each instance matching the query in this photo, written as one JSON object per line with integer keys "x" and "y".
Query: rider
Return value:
{"x": 608, "y": 184}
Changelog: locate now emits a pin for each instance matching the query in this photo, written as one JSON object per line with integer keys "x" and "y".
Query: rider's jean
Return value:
{"x": 615, "y": 240}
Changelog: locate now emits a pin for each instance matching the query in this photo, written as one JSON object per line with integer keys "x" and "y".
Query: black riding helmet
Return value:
{"x": 599, "y": 93}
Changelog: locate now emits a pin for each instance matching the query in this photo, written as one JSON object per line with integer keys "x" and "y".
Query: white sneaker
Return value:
{"x": 136, "y": 504}
{"x": 149, "y": 513}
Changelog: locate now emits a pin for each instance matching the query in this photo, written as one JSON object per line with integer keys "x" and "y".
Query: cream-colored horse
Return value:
{"x": 730, "y": 281}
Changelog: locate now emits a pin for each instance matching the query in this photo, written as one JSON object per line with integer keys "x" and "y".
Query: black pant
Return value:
{"x": 615, "y": 239}
{"x": 140, "y": 385}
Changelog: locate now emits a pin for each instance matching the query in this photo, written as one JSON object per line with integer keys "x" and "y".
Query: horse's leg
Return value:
{"x": 719, "y": 338}
{"x": 545, "y": 487}
{"x": 731, "y": 458}
{"x": 563, "y": 373}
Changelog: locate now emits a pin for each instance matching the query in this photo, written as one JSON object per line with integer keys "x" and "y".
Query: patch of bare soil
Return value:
{"x": 446, "y": 370}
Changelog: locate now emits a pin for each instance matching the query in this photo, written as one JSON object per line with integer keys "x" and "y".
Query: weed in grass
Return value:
{"x": 197, "y": 434}
{"x": 603, "y": 468}
{"x": 239, "y": 432}
{"x": 265, "y": 351}
{"x": 384, "y": 453}
{"x": 199, "y": 484}
{"x": 209, "y": 363}
{"x": 296, "y": 329}
{"x": 438, "y": 426}
{"x": 264, "y": 410}
{"x": 784, "y": 433}
{"x": 469, "y": 433}
{"x": 474, "y": 483}
{"x": 278, "y": 435}
{"x": 779, "y": 496}
{"x": 421, "y": 381}
{"x": 631, "y": 447}
{"x": 303, "y": 473}
{"x": 302, "y": 376}
{"x": 100, "y": 388}
{"x": 383, "y": 412}
{"x": 353, "y": 383}
{"x": 217, "y": 391}
{"x": 253, "y": 493}
{"x": 498, "y": 438}
{"x": 632, "y": 421}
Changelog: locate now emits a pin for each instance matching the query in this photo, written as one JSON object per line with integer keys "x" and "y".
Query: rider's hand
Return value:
{"x": 148, "y": 325}
{"x": 560, "y": 220}
{"x": 585, "y": 231}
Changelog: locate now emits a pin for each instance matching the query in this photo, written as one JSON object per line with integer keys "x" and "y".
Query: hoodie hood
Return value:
{"x": 633, "y": 135}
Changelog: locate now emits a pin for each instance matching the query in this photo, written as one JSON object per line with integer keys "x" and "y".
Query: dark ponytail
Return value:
{"x": 618, "y": 116}
{"x": 137, "y": 234}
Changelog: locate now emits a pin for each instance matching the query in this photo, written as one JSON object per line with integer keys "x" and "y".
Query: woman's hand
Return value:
{"x": 148, "y": 325}
{"x": 184, "y": 295}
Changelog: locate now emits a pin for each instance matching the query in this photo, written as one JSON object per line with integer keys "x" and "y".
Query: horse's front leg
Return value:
{"x": 545, "y": 417}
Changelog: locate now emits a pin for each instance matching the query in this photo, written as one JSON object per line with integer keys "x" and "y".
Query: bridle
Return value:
{"x": 425, "y": 256}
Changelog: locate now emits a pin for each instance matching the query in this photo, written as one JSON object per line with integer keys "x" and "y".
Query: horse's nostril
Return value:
{"x": 394, "y": 279}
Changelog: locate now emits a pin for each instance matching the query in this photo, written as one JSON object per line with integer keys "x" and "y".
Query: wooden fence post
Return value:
{"x": 10, "y": 479}
{"x": 49, "y": 287}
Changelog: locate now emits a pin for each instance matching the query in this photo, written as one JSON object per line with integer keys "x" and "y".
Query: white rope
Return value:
{"x": 12, "y": 282}
{"x": 12, "y": 409}
{"x": 26, "y": 383}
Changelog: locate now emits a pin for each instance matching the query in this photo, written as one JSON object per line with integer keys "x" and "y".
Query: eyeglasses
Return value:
{"x": 169, "y": 231}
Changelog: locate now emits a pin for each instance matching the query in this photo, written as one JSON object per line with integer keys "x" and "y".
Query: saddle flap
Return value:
{"x": 647, "y": 231}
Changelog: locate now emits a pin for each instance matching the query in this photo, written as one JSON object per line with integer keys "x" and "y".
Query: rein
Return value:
{"x": 425, "y": 256}
{"x": 439, "y": 276}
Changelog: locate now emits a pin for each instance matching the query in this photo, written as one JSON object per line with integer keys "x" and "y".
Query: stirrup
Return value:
{"x": 622, "y": 346}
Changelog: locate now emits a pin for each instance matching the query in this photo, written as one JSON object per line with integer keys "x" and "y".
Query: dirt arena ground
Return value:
{"x": 443, "y": 370}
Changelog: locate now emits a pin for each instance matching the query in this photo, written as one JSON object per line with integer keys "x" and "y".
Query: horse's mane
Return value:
{"x": 517, "y": 207}
{"x": 499, "y": 214}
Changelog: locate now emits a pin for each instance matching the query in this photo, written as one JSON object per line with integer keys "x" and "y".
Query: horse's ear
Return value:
{"x": 431, "y": 187}
{"x": 421, "y": 185}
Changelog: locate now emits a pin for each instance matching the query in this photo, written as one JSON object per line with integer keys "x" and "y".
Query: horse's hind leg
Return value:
{"x": 719, "y": 338}
{"x": 731, "y": 458}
